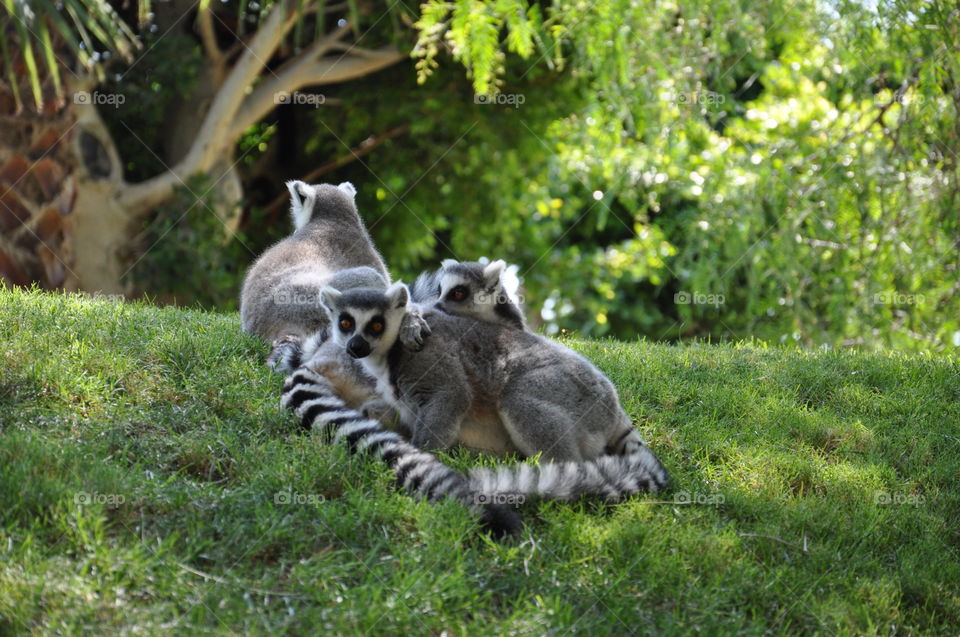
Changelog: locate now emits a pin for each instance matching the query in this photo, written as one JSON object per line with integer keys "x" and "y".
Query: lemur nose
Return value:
{"x": 357, "y": 347}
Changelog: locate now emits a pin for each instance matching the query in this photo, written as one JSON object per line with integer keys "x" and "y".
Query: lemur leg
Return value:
{"x": 541, "y": 427}
{"x": 381, "y": 411}
{"x": 437, "y": 421}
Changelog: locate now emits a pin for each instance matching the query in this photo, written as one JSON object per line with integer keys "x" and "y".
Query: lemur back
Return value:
{"x": 280, "y": 295}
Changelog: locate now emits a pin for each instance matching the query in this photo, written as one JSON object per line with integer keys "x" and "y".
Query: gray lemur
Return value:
{"x": 486, "y": 386}
{"x": 469, "y": 288}
{"x": 329, "y": 246}
{"x": 280, "y": 301}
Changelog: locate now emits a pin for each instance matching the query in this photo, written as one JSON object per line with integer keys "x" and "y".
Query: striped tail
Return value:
{"x": 312, "y": 398}
{"x": 612, "y": 477}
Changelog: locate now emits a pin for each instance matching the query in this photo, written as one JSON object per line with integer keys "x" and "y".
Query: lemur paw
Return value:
{"x": 414, "y": 331}
{"x": 286, "y": 355}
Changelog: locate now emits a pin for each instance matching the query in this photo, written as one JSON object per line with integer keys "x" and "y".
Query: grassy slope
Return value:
{"x": 789, "y": 459}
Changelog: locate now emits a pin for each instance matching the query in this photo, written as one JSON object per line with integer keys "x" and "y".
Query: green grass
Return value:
{"x": 143, "y": 453}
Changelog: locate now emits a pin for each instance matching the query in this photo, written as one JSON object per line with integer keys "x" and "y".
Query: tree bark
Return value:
{"x": 108, "y": 211}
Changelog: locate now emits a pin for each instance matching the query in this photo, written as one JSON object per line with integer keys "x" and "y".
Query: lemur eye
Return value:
{"x": 439, "y": 291}
{"x": 346, "y": 323}
{"x": 376, "y": 327}
{"x": 458, "y": 293}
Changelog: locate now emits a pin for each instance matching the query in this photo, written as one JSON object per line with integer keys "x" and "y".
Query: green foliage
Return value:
{"x": 472, "y": 29}
{"x": 788, "y": 169}
{"x": 712, "y": 169}
{"x": 87, "y": 30}
{"x": 145, "y": 461}
{"x": 189, "y": 255}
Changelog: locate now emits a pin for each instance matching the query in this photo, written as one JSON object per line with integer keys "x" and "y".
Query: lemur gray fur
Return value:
{"x": 487, "y": 386}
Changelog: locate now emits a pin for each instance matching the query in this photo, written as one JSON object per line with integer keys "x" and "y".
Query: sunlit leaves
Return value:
{"x": 44, "y": 31}
{"x": 478, "y": 34}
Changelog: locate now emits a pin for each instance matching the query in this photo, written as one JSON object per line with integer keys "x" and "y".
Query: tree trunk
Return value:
{"x": 101, "y": 228}
{"x": 37, "y": 193}
{"x": 67, "y": 216}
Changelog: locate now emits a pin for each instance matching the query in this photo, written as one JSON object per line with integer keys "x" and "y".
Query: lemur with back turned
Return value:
{"x": 280, "y": 300}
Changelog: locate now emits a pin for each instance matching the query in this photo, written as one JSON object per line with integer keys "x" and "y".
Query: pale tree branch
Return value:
{"x": 310, "y": 68}
{"x": 316, "y": 50}
{"x": 236, "y": 107}
{"x": 214, "y": 136}
{"x": 208, "y": 35}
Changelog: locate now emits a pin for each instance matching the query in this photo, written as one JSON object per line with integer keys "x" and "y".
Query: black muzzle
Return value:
{"x": 357, "y": 347}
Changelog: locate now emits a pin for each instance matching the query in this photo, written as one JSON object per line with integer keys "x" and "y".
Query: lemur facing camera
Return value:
{"x": 329, "y": 246}
{"x": 482, "y": 490}
{"x": 280, "y": 301}
{"x": 490, "y": 387}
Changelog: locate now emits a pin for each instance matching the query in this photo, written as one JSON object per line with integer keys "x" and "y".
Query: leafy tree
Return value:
{"x": 711, "y": 169}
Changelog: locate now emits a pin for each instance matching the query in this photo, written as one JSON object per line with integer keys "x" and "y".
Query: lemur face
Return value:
{"x": 366, "y": 321}
{"x": 470, "y": 289}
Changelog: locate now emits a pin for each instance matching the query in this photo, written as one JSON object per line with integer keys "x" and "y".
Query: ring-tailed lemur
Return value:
{"x": 470, "y": 288}
{"x": 486, "y": 386}
{"x": 329, "y": 246}
{"x": 310, "y": 396}
{"x": 313, "y": 399}
{"x": 280, "y": 297}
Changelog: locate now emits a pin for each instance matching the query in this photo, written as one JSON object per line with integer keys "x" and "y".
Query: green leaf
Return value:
{"x": 26, "y": 48}
{"x": 52, "y": 63}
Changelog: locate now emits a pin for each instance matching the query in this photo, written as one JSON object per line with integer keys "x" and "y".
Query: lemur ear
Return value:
{"x": 330, "y": 297}
{"x": 398, "y": 295}
{"x": 301, "y": 209}
{"x": 292, "y": 187}
{"x": 448, "y": 263}
{"x": 492, "y": 272}
{"x": 348, "y": 188}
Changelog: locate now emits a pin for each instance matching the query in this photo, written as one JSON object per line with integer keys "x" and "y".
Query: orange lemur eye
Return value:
{"x": 376, "y": 327}
{"x": 346, "y": 324}
{"x": 458, "y": 293}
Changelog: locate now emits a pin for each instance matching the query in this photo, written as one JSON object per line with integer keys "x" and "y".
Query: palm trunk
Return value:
{"x": 68, "y": 218}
